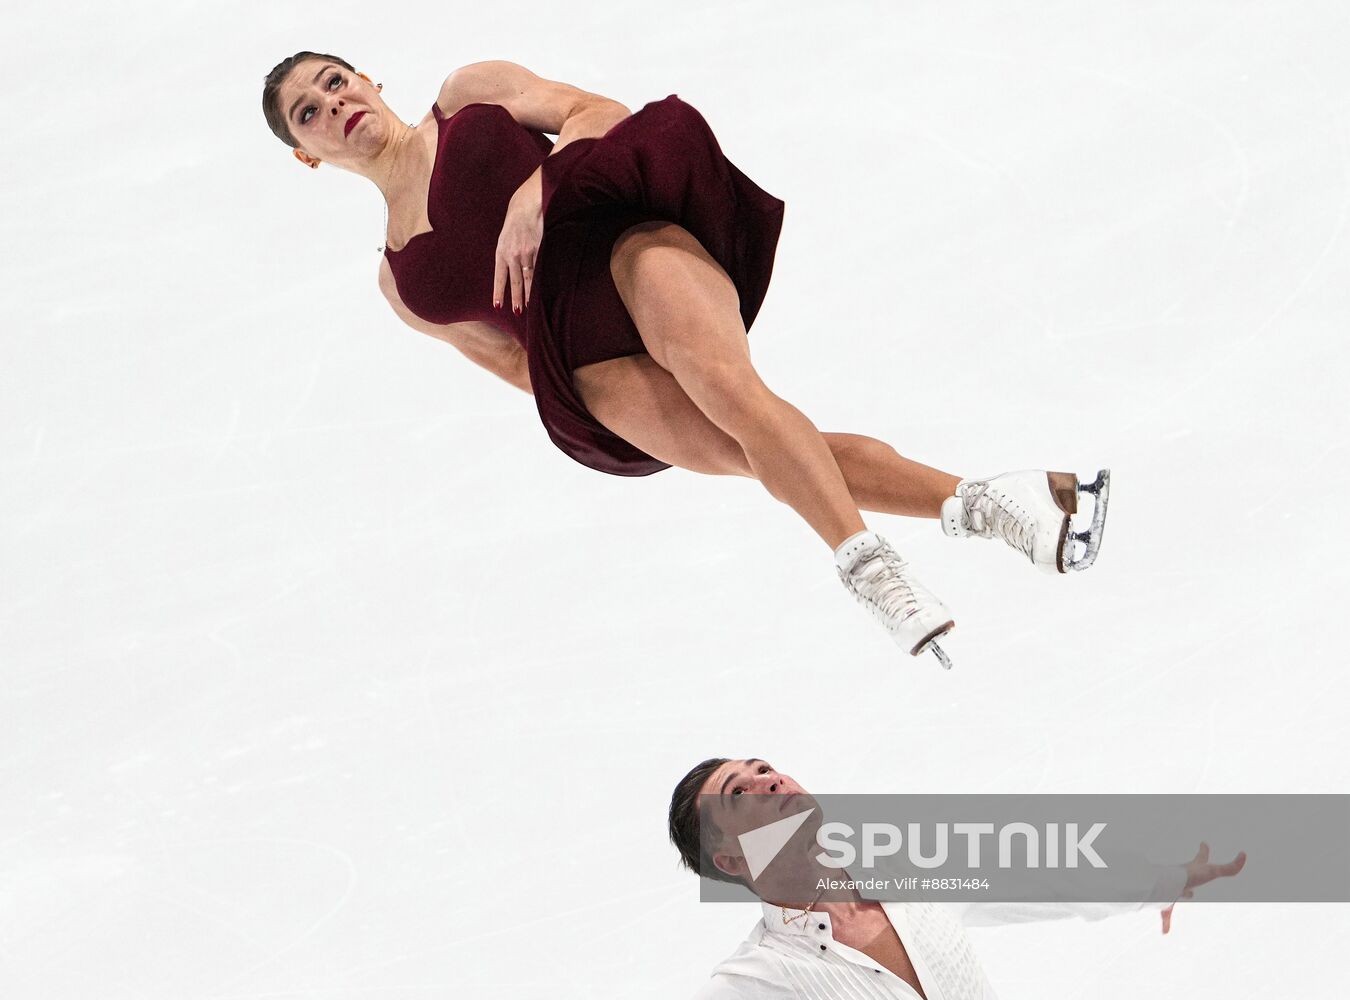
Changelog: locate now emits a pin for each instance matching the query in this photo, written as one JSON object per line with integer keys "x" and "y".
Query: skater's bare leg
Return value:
{"x": 883, "y": 480}
{"x": 642, "y": 403}
{"x": 687, "y": 312}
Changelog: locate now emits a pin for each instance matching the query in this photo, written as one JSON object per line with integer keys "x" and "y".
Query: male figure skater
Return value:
{"x": 848, "y": 946}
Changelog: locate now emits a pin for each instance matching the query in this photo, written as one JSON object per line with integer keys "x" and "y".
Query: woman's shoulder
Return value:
{"x": 474, "y": 83}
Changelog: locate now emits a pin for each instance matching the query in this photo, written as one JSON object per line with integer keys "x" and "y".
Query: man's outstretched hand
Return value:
{"x": 1198, "y": 872}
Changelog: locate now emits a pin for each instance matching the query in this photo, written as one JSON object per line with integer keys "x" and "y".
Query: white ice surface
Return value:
{"x": 325, "y": 675}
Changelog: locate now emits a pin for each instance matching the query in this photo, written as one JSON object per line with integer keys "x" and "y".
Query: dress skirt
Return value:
{"x": 660, "y": 163}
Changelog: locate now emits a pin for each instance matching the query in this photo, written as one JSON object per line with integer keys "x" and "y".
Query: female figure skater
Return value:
{"x": 643, "y": 256}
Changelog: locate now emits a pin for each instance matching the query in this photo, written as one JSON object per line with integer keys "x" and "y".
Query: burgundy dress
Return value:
{"x": 662, "y": 162}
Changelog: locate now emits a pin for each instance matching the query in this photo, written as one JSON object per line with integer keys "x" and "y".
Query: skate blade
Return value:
{"x": 1090, "y": 540}
{"x": 929, "y": 643}
{"x": 943, "y": 658}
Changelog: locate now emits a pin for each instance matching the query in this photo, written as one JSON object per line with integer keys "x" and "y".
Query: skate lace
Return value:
{"x": 990, "y": 512}
{"x": 880, "y": 583}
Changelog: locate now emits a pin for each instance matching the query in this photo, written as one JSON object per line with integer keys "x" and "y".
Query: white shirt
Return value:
{"x": 803, "y": 960}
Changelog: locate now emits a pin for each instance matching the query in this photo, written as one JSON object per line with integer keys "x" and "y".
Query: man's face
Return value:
{"x": 744, "y": 795}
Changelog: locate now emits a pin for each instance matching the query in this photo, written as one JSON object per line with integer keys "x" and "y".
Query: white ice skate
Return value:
{"x": 1031, "y": 511}
{"x": 882, "y": 583}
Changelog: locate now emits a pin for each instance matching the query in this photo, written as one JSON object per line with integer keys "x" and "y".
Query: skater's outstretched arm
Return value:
{"x": 1168, "y": 888}
{"x": 1198, "y": 872}
{"x": 1172, "y": 883}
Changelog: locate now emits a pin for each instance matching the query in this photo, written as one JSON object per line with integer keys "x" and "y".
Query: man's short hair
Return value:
{"x": 684, "y": 822}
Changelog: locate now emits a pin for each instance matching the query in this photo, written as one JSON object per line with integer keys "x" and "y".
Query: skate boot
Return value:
{"x": 882, "y": 583}
{"x": 1031, "y": 512}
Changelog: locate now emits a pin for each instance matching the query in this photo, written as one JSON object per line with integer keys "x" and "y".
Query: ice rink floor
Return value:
{"x": 326, "y": 676}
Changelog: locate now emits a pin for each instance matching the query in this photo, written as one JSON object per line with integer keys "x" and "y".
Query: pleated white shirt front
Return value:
{"x": 803, "y": 960}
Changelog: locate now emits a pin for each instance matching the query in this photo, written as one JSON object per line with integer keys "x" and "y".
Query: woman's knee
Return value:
{"x": 716, "y": 454}
{"x": 728, "y": 390}
{"x": 858, "y": 447}
{"x": 642, "y": 403}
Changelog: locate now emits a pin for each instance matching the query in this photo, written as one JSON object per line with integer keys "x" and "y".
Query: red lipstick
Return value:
{"x": 351, "y": 123}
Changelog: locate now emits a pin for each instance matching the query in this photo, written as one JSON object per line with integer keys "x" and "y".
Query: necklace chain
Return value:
{"x": 410, "y": 130}
{"x": 805, "y": 912}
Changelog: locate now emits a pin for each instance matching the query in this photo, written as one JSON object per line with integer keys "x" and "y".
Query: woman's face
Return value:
{"x": 333, "y": 113}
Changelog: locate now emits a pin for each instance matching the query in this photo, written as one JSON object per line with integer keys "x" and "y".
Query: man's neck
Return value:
{"x": 848, "y": 910}
{"x": 849, "y": 915}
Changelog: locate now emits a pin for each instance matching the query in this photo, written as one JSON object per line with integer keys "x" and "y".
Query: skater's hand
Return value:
{"x": 1198, "y": 872}
{"x": 516, "y": 249}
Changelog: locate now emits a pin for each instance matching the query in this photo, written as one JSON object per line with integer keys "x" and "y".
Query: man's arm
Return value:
{"x": 1172, "y": 882}
{"x": 1168, "y": 887}
{"x": 481, "y": 343}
